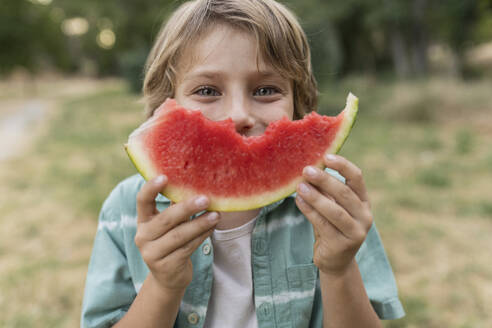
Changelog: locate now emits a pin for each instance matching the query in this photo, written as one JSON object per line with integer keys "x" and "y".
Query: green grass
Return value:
{"x": 427, "y": 173}
{"x": 85, "y": 139}
{"x": 418, "y": 313}
{"x": 464, "y": 141}
{"x": 54, "y": 195}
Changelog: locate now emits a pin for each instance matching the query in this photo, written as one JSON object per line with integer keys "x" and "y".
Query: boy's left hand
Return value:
{"x": 340, "y": 213}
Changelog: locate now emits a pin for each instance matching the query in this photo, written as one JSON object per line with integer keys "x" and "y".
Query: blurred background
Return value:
{"x": 70, "y": 77}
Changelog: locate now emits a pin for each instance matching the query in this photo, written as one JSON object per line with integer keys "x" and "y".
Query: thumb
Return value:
{"x": 146, "y": 208}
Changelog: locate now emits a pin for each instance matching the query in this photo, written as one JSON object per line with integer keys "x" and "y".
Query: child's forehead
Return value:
{"x": 220, "y": 41}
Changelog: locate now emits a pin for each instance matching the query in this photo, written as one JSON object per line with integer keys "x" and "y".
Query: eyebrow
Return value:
{"x": 210, "y": 74}
{"x": 205, "y": 74}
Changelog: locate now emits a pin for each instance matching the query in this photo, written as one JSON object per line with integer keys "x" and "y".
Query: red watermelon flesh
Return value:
{"x": 200, "y": 156}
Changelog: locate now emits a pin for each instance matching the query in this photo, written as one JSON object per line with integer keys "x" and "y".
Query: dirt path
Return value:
{"x": 18, "y": 121}
{"x": 25, "y": 105}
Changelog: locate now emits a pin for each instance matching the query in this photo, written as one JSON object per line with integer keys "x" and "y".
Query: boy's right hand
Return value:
{"x": 167, "y": 239}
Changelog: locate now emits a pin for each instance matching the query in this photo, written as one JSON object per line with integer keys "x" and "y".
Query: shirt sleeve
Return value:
{"x": 378, "y": 277}
{"x": 109, "y": 290}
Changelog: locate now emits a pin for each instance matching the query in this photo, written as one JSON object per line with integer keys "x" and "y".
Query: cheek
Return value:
{"x": 289, "y": 111}
{"x": 287, "y": 106}
{"x": 211, "y": 111}
{"x": 276, "y": 111}
{"x": 181, "y": 99}
{"x": 189, "y": 103}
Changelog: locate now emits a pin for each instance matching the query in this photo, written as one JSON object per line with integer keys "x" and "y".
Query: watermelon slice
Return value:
{"x": 200, "y": 156}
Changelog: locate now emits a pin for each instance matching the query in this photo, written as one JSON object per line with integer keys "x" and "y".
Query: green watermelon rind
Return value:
{"x": 137, "y": 155}
{"x": 143, "y": 167}
{"x": 350, "y": 115}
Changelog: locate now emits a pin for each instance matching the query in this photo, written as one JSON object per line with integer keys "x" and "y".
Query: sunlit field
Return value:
{"x": 424, "y": 147}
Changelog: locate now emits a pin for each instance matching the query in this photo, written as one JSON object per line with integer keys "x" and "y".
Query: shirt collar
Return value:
{"x": 162, "y": 199}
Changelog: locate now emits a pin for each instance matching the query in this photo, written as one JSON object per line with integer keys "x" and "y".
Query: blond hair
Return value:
{"x": 280, "y": 38}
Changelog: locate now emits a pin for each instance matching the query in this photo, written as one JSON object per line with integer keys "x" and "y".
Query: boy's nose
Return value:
{"x": 240, "y": 113}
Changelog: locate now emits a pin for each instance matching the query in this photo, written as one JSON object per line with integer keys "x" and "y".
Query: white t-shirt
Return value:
{"x": 232, "y": 301}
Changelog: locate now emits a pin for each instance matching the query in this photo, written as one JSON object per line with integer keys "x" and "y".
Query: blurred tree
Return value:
{"x": 483, "y": 30}
{"x": 366, "y": 35}
{"x": 28, "y": 38}
{"x": 454, "y": 24}
{"x": 405, "y": 23}
{"x": 347, "y": 37}
{"x": 390, "y": 35}
{"x": 133, "y": 23}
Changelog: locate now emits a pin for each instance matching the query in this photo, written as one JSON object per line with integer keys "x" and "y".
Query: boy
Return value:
{"x": 310, "y": 260}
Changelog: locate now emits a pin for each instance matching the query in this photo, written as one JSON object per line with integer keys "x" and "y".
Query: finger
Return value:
{"x": 184, "y": 233}
{"x": 183, "y": 253}
{"x": 188, "y": 249}
{"x": 329, "y": 210}
{"x": 146, "y": 208}
{"x": 336, "y": 190}
{"x": 351, "y": 173}
{"x": 305, "y": 208}
{"x": 321, "y": 226}
{"x": 173, "y": 216}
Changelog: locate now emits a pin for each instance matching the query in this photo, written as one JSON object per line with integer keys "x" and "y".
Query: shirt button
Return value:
{"x": 206, "y": 249}
{"x": 260, "y": 246}
{"x": 193, "y": 318}
{"x": 265, "y": 310}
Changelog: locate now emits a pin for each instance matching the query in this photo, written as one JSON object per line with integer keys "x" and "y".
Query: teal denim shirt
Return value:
{"x": 286, "y": 282}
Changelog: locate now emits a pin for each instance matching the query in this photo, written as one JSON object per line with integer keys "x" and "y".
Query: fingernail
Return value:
{"x": 201, "y": 201}
{"x": 311, "y": 171}
{"x": 303, "y": 188}
{"x": 160, "y": 179}
{"x": 331, "y": 157}
{"x": 213, "y": 217}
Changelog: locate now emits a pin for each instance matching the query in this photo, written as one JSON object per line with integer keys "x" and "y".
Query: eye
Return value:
{"x": 266, "y": 91}
{"x": 207, "y": 92}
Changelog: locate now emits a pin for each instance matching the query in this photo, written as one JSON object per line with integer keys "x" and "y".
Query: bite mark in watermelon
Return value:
{"x": 200, "y": 156}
